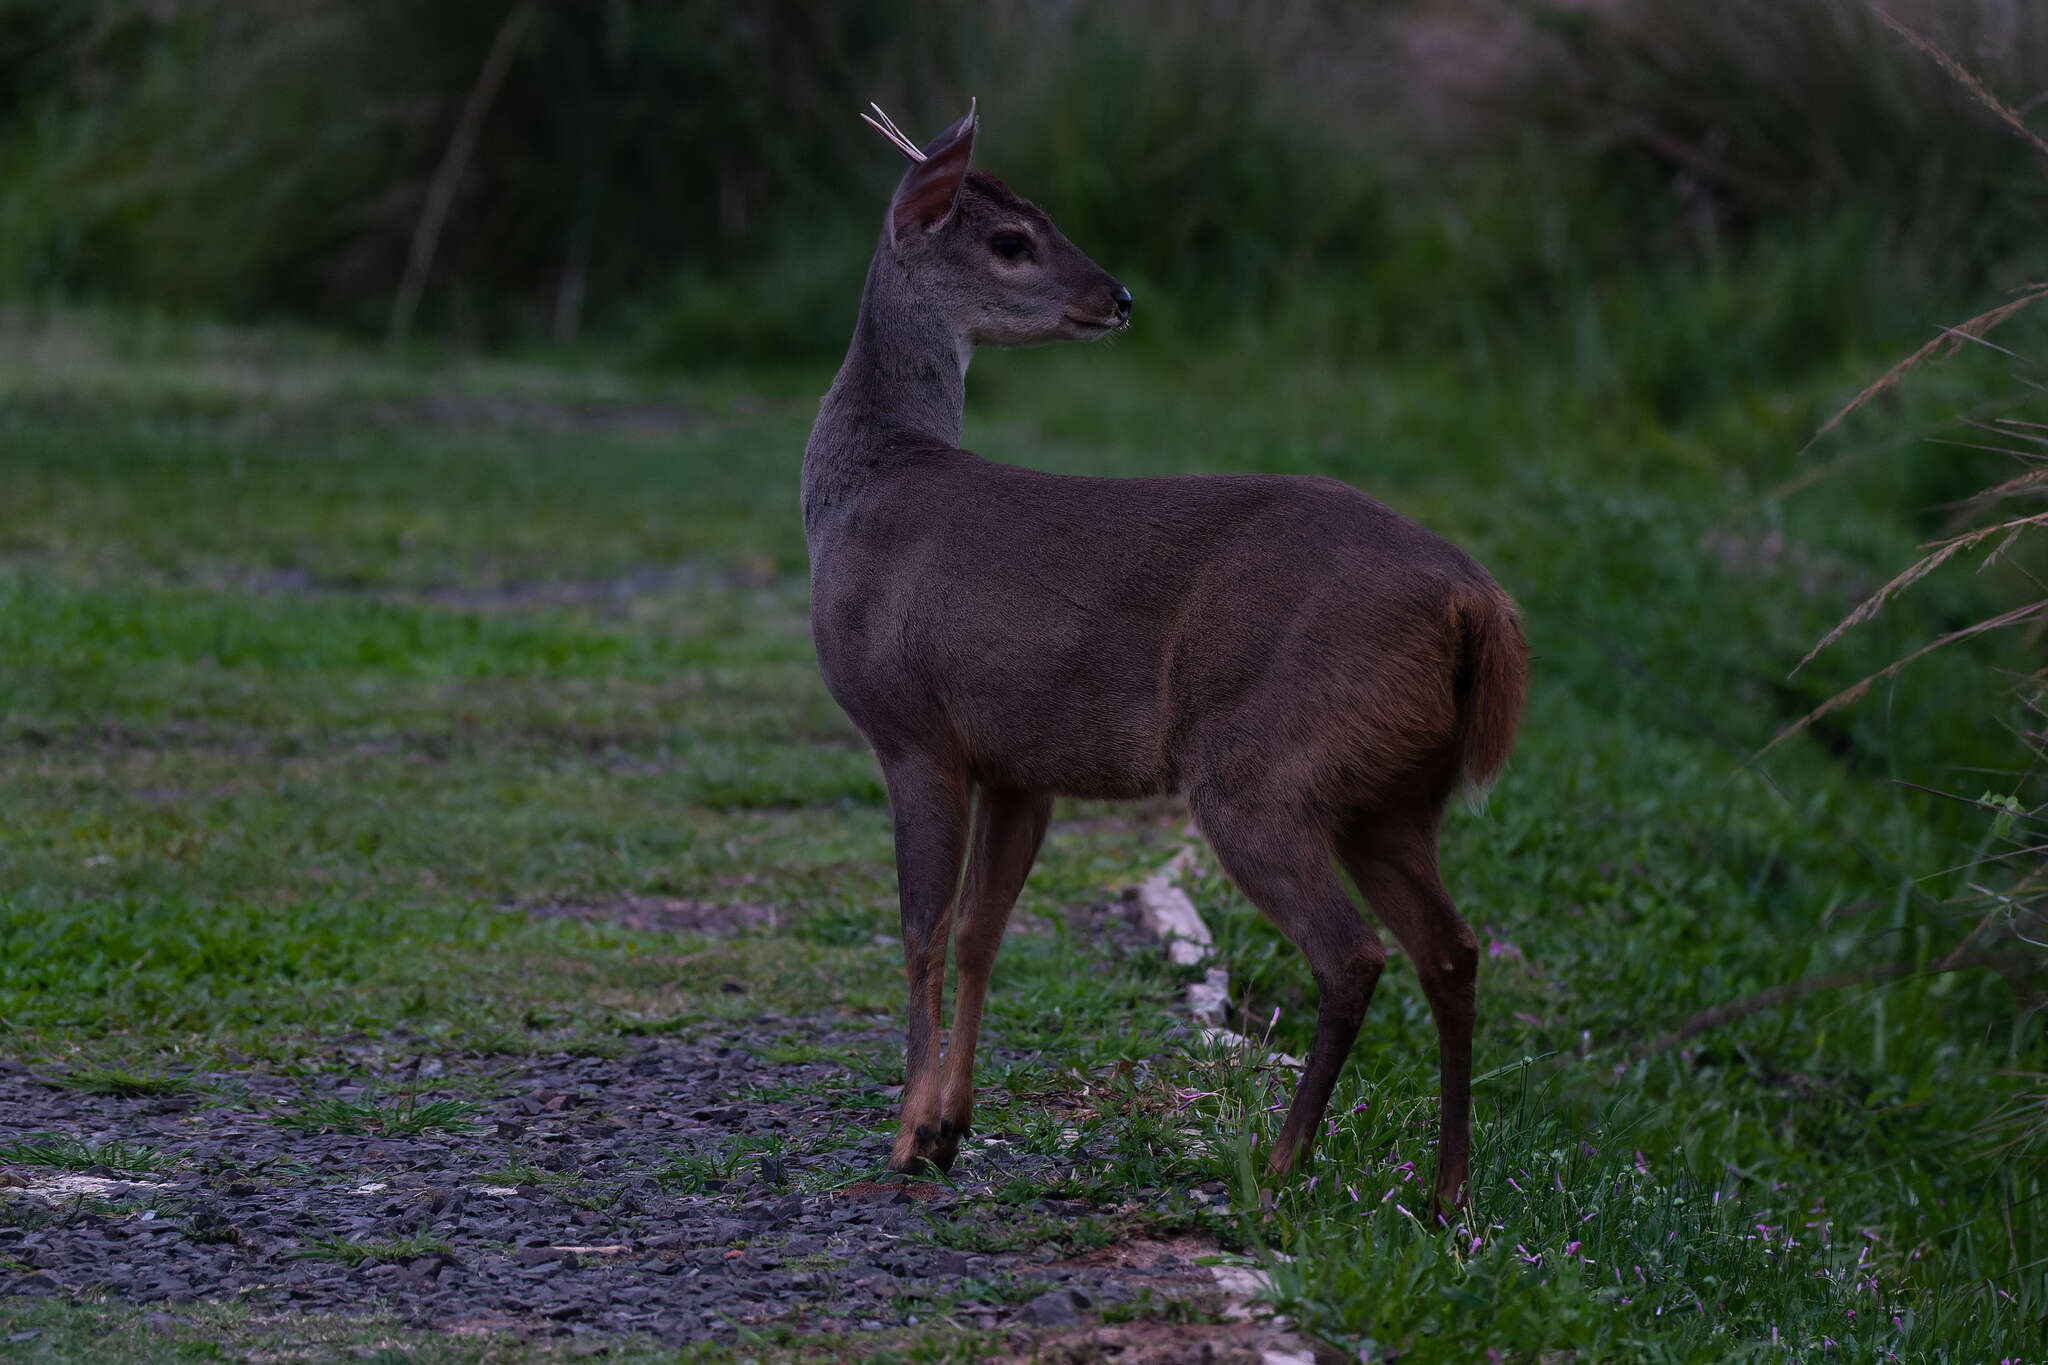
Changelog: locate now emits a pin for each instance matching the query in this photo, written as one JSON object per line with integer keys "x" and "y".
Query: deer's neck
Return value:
{"x": 905, "y": 375}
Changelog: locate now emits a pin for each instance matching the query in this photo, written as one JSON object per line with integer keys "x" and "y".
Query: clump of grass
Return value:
{"x": 125, "y": 1083}
{"x": 519, "y": 1171}
{"x": 406, "y": 1117}
{"x": 374, "y": 1249}
{"x": 692, "y": 1172}
{"x": 76, "y": 1154}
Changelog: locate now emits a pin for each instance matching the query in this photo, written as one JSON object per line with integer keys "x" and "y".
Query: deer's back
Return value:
{"x": 1097, "y": 636}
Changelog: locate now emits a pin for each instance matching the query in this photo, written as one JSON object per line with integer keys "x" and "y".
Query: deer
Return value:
{"x": 1313, "y": 673}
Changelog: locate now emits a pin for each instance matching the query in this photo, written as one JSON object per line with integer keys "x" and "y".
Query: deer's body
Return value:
{"x": 1315, "y": 672}
{"x": 1213, "y": 638}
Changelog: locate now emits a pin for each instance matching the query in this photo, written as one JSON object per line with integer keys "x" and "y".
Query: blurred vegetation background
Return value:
{"x": 1686, "y": 197}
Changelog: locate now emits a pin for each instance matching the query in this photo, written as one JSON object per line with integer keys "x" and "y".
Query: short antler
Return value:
{"x": 888, "y": 129}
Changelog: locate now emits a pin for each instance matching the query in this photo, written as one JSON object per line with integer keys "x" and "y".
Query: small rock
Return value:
{"x": 1060, "y": 1308}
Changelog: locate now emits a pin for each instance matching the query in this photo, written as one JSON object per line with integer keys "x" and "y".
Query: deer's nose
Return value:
{"x": 1123, "y": 304}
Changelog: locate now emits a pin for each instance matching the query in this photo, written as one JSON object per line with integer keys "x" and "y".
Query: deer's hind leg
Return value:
{"x": 1395, "y": 867}
{"x": 928, "y": 804}
{"x": 1277, "y": 855}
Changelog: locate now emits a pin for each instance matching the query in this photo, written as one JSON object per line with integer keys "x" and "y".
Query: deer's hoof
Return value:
{"x": 926, "y": 1149}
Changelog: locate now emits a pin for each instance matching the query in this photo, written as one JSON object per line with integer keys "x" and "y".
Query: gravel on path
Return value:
{"x": 680, "y": 1190}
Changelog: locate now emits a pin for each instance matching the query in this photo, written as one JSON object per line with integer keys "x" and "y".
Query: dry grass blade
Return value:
{"x": 1912, "y": 574}
{"x": 1874, "y": 603}
{"x": 1951, "y": 337}
{"x": 1856, "y": 691}
{"x": 1975, "y": 328}
{"x": 1998, "y": 550}
{"x": 1963, "y": 77}
{"x": 2000, "y": 492}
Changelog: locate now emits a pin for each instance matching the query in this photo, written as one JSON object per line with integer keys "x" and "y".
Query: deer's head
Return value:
{"x": 989, "y": 264}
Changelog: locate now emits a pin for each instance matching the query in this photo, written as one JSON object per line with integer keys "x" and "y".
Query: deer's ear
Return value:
{"x": 925, "y": 199}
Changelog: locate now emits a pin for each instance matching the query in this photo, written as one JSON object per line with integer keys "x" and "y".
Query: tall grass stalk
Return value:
{"x": 2000, "y": 907}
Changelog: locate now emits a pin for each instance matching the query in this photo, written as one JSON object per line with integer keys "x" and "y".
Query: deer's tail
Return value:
{"x": 1492, "y": 682}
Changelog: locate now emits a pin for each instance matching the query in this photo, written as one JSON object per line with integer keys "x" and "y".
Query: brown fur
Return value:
{"x": 1315, "y": 672}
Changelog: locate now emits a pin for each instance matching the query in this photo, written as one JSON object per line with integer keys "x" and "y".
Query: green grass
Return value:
{"x": 76, "y": 1154}
{"x": 303, "y": 704}
{"x": 398, "y": 1118}
{"x": 125, "y": 1082}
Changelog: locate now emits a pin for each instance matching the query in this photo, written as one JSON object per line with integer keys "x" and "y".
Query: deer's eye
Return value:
{"x": 1010, "y": 246}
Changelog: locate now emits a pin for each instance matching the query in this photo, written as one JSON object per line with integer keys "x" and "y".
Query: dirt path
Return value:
{"x": 579, "y": 1194}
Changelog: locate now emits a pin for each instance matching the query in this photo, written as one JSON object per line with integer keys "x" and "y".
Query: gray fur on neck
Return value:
{"x": 904, "y": 374}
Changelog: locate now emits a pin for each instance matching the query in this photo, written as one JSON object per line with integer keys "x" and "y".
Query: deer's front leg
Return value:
{"x": 928, "y": 801}
{"x": 1008, "y": 827}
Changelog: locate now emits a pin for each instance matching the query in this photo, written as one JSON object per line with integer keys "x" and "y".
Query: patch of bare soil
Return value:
{"x": 674, "y": 914}
{"x": 686, "y": 1189}
{"x": 913, "y": 1191}
{"x": 1144, "y": 1253}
